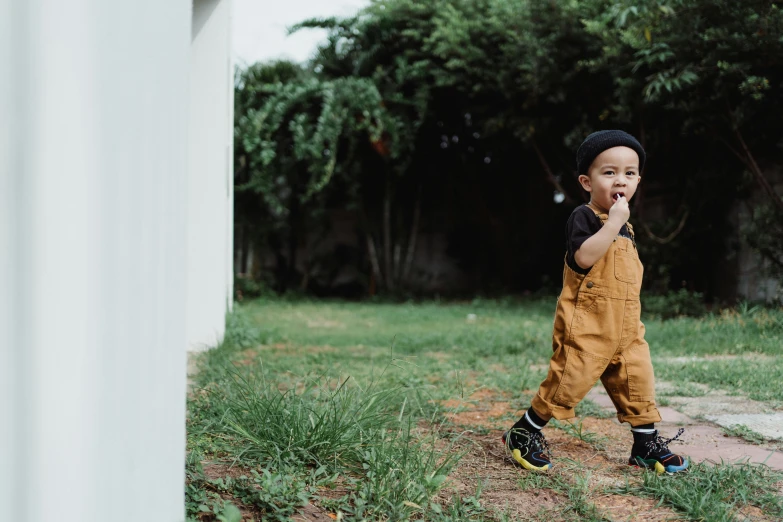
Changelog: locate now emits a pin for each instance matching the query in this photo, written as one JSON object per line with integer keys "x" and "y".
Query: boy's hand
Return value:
{"x": 620, "y": 212}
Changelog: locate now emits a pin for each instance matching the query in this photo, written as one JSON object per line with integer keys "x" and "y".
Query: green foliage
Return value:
{"x": 248, "y": 288}
{"x": 359, "y": 127}
{"x": 715, "y": 492}
{"x": 460, "y": 509}
{"x": 298, "y": 131}
{"x": 712, "y": 60}
{"x": 403, "y": 84}
{"x": 399, "y": 478}
{"x": 743, "y": 432}
{"x": 202, "y": 497}
{"x": 278, "y": 494}
{"x": 674, "y": 304}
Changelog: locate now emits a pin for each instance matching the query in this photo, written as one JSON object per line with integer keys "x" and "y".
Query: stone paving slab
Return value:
{"x": 704, "y": 442}
{"x": 707, "y": 442}
{"x": 770, "y": 425}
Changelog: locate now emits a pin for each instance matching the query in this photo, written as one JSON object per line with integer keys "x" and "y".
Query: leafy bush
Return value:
{"x": 674, "y": 304}
{"x": 245, "y": 287}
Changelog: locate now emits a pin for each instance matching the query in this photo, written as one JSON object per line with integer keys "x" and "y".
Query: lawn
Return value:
{"x": 376, "y": 411}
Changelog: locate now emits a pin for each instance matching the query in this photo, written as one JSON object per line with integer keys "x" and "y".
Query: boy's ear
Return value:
{"x": 585, "y": 182}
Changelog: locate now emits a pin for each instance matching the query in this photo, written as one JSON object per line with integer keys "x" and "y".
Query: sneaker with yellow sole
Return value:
{"x": 528, "y": 448}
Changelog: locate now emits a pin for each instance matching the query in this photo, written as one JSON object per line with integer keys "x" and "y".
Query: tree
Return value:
{"x": 718, "y": 68}
{"x": 408, "y": 100}
{"x": 290, "y": 138}
{"x": 382, "y": 46}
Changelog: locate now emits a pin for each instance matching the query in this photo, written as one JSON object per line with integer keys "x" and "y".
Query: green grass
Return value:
{"x": 743, "y": 432}
{"x": 576, "y": 429}
{"x": 681, "y": 389}
{"x": 309, "y": 396}
{"x": 260, "y": 416}
{"x": 588, "y": 408}
{"x": 755, "y": 378}
{"x": 437, "y": 343}
{"x": 739, "y": 332}
{"x": 715, "y": 493}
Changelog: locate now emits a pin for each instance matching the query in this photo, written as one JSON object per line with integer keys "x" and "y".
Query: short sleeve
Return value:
{"x": 582, "y": 224}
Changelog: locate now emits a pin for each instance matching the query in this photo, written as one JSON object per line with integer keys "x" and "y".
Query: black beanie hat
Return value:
{"x": 599, "y": 141}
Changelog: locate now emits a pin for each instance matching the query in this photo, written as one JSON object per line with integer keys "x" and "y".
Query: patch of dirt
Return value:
{"x": 600, "y": 458}
{"x": 753, "y": 513}
{"x": 249, "y": 356}
{"x": 511, "y": 490}
{"x": 622, "y": 507}
{"x": 486, "y": 468}
{"x": 486, "y": 419}
{"x": 215, "y": 470}
{"x": 482, "y": 408}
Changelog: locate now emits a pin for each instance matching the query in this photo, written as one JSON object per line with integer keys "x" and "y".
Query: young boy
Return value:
{"x": 598, "y": 332}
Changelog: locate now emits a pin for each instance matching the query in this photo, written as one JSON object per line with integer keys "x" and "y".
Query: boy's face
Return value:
{"x": 613, "y": 172}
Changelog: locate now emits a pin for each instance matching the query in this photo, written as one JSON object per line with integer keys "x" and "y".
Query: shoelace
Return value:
{"x": 538, "y": 438}
{"x": 661, "y": 444}
{"x": 535, "y": 439}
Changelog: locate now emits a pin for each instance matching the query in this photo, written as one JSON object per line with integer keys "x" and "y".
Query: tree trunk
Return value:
{"x": 293, "y": 238}
{"x": 397, "y": 263}
{"x": 376, "y": 267}
{"x": 413, "y": 237}
{"x": 387, "y": 239}
{"x": 306, "y": 272}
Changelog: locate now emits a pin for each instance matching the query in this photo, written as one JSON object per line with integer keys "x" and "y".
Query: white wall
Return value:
{"x": 93, "y": 164}
{"x": 210, "y": 181}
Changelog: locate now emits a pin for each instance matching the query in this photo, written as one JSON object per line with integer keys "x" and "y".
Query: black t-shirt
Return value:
{"x": 582, "y": 224}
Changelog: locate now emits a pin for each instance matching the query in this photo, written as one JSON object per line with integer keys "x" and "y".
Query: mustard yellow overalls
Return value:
{"x": 598, "y": 333}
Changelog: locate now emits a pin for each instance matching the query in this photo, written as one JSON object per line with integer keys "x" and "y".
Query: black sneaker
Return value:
{"x": 652, "y": 451}
{"x": 528, "y": 448}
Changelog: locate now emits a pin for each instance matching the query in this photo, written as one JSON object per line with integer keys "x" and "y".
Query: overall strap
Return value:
{"x": 603, "y": 216}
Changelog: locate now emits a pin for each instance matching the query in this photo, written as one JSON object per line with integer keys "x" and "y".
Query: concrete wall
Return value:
{"x": 210, "y": 175}
{"x": 93, "y": 211}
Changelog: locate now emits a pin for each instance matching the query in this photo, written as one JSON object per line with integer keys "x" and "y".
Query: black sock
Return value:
{"x": 642, "y": 433}
{"x": 530, "y": 422}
